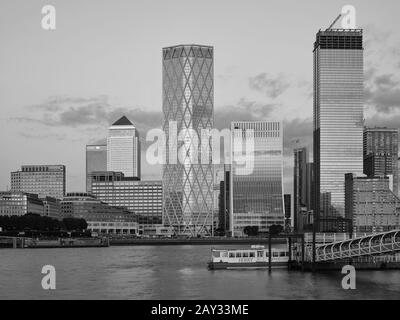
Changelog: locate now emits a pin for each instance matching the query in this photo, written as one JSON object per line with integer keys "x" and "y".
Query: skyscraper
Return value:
{"x": 123, "y": 148}
{"x": 338, "y": 118}
{"x": 380, "y": 154}
{"x": 96, "y": 160}
{"x": 188, "y": 108}
{"x": 257, "y": 190}
{"x": 43, "y": 180}
{"x": 299, "y": 183}
{"x": 288, "y": 210}
{"x": 310, "y": 194}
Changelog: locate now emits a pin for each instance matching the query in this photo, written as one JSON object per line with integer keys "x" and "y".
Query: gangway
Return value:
{"x": 371, "y": 245}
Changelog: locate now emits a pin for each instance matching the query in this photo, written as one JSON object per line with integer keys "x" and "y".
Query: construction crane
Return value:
{"x": 333, "y": 23}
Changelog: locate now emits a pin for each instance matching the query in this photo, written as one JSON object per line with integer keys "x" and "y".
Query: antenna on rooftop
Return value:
{"x": 333, "y": 23}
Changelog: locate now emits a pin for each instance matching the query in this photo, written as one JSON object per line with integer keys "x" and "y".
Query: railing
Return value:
{"x": 371, "y": 245}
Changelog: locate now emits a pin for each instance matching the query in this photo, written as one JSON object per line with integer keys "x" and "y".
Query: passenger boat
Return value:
{"x": 253, "y": 258}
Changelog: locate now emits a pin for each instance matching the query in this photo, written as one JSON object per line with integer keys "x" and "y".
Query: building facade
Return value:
{"x": 96, "y": 160}
{"x": 15, "y": 203}
{"x": 224, "y": 202}
{"x": 99, "y": 216}
{"x": 43, "y": 180}
{"x": 123, "y": 148}
{"x": 144, "y": 198}
{"x": 338, "y": 119}
{"x": 299, "y": 183}
{"x": 51, "y": 207}
{"x": 371, "y": 205}
{"x": 288, "y": 211}
{"x": 380, "y": 149}
{"x": 256, "y": 177}
{"x": 188, "y": 108}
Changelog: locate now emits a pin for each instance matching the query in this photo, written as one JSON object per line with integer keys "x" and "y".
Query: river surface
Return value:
{"x": 171, "y": 272}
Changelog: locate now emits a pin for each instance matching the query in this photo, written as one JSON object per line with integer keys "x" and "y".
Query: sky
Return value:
{"x": 61, "y": 89}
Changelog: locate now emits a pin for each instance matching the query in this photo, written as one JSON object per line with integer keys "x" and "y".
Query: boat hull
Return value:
{"x": 245, "y": 265}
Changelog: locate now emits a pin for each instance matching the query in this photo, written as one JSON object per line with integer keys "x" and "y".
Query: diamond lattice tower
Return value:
{"x": 188, "y": 107}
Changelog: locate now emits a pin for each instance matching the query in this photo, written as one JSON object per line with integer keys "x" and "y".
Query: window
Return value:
{"x": 231, "y": 254}
{"x": 252, "y": 254}
{"x": 245, "y": 254}
{"x": 238, "y": 254}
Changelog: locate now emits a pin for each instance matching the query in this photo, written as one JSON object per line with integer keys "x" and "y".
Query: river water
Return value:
{"x": 171, "y": 272}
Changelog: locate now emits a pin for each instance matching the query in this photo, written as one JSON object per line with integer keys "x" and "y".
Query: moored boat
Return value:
{"x": 253, "y": 258}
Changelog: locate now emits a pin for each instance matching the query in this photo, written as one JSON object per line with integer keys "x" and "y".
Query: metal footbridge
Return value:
{"x": 370, "y": 245}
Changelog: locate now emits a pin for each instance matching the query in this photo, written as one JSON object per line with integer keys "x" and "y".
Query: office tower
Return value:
{"x": 100, "y": 217}
{"x": 96, "y": 160}
{"x": 188, "y": 108}
{"x": 144, "y": 198}
{"x": 123, "y": 148}
{"x": 299, "y": 183}
{"x": 256, "y": 176}
{"x": 16, "y": 203}
{"x": 381, "y": 153}
{"x": 310, "y": 186}
{"x": 338, "y": 119}
{"x": 288, "y": 210}
{"x": 224, "y": 201}
{"x": 370, "y": 204}
{"x": 43, "y": 180}
{"x": 219, "y": 176}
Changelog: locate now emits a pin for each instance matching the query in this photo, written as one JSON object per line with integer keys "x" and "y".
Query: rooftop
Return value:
{"x": 123, "y": 121}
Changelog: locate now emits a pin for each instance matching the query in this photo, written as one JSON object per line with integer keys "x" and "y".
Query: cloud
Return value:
{"x": 87, "y": 114}
{"x": 383, "y": 120}
{"x": 297, "y": 133}
{"x": 269, "y": 85}
{"x": 243, "y": 110}
{"x": 382, "y": 92}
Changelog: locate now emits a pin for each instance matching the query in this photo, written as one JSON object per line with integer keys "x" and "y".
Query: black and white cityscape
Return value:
{"x": 230, "y": 150}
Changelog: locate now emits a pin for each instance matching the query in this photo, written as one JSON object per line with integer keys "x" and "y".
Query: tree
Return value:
{"x": 275, "y": 229}
{"x": 251, "y": 231}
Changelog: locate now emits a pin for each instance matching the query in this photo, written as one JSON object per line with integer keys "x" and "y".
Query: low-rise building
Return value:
{"x": 43, "y": 180}
{"x": 100, "y": 216}
{"x": 144, "y": 198}
{"x": 14, "y": 203}
{"x": 51, "y": 207}
{"x": 370, "y": 204}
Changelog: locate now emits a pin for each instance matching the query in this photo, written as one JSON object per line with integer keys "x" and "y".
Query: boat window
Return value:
{"x": 238, "y": 254}
{"x": 216, "y": 254}
{"x": 231, "y": 254}
{"x": 245, "y": 254}
{"x": 252, "y": 254}
{"x": 259, "y": 254}
{"x": 282, "y": 254}
{"x": 275, "y": 254}
{"x": 267, "y": 254}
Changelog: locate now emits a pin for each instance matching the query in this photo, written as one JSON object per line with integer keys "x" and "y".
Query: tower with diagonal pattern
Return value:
{"x": 188, "y": 108}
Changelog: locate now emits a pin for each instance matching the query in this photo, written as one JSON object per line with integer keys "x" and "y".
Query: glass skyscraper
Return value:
{"x": 188, "y": 108}
{"x": 123, "y": 148}
{"x": 96, "y": 160}
{"x": 338, "y": 118}
{"x": 299, "y": 183}
{"x": 256, "y": 192}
